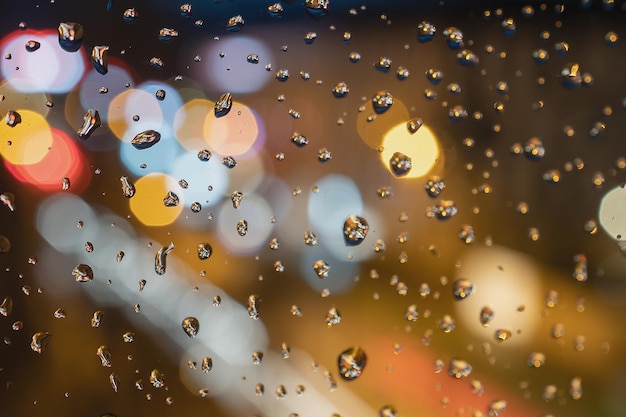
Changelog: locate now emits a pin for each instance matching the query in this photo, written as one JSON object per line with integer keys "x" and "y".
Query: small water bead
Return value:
{"x": 496, "y": 408}
{"x": 282, "y": 75}
{"x": 333, "y": 317}
{"x": 502, "y": 335}
{"x": 430, "y": 94}
{"x": 280, "y": 391}
{"x": 242, "y": 227}
{"x": 552, "y": 176}
{"x": 82, "y": 273}
{"x": 383, "y": 64}
{"x": 40, "y": 341}
{"x": 486, "y": 314}
{"x": 96, "y": 319}
{"x": 254, "y": 302}
{"x": 402, "y": 73}
{"x": 59, "y": 313}
{"x": 536, "y": 360}
{"x": 128, "y": 188}
{"x": 549, "y": 392}
{"x": 579, "y": 343}
{"x": 130, "y": 15}
{"x": 435, "y": 76}
{"x": 459, "y": 368}
{"x": 411, "y": 313}
{"x": 157, "y": 378}
{"x": 443, "y": 210}
{"x": 160, "y": 258}
{"x": 321, "y": 268}
{"x": 576, "y": 388}
{"x": 434, "y": 186}
{"x": 196, "y": 207}
{"x": 6, "y": 307}
{"x": 355, "y": 230}
{"x": 217, "y": 301}
{"x": 351, "y": 363}
{"x": 454, "y": 37}
{"x": 462, "y": 288}
{"x": 259, "y": 390}
{"x": 446, "y": 323}
{"x": 191, "y": 326}
{"x": 104, "y": 354}
{"x": 8, "y": 199}
{"x": 114, "y": 381}
{"x": 457, "y": 113}
{"x": 354, "y": 57}
{"x": 425, "y": 31}
{"x": 382, "y": 101}
{"x": 387, "y": 411}
{"x": 91, "y": 121}
{"x": 257, "y": 358}
{"x": 229, "y": 162}
{"x": 400, "y": 164}
{"x": 278, "y": 266}
{"x": 534, "y": 149}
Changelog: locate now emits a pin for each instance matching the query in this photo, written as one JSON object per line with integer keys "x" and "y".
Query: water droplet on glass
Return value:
{"x": 167, "y": 34}
{"x": 321, "y": 268}
{"x": 354, "y": 57}
{"x": 217, "y": 301}
{"x": 459, "y": 368}
{"x": 235, "y": 23}
{"x": 32, "y": 45}
{"x": 146, "y": 139}
{"x": 242, "y": 227}
{"x": 467, "y": 58}
{"x": 257, "y": 358}
{"x": 204, "y": 251}
{"x": 104, "y": 354}
{"x": 229, "y": 162}
{"x": 6, "y": 306}
{"x": 310, "y": 239}
{"x": 496, "y": 408}
{"x": 70, "y": 36}
{"x": 254, "y": 302}
{"x": 502, "y": 335}
{"x": 454, "y": 37}
{"x": 128, "y": 188}
{"x": 259, "y": 390}
{"x": 426, "y": 31}
{"x": 160, "y": 258}
{"x": 236, "y": 198}
{"x": 171, "y": 199}
{"x": 355, "y": 229}
{"x": 91, "y": 121}
{"x": 223, "y": 105}
{"x": 13, "y": 118}
{"x": 382, "y": 101}
{"x": 351, "y": 363}
{"x": 536, "y": 360}
{"x": 157, "y": 378}
{"x": 299, "y": 140}
{"x": 282, "y": 74}
{"x": 446, "y": 323}
{"x": 207, "y": 364}
{"x": 99, "y": 59}
{"x": 414, "y": 124}
{"x": 191, "y": 326}
{"x": 96, "y": 319}
{"x": 128, "y": 337}
{"x": 443, "y": 210}
{"x": 186, "y": 10}
{"x": 457, "y": 113}
{"x": 462, "y": 288}
{"x": 317, "y": 8}
{"x": 333, "y": 317}
{"x": 114, "y": 381}
{"x": 275, "y": 10}
{"x": 434, "y": 186}
{"x": 383, "y": 64}
{"x": 82, "y": 273}
{"x": 411, "y": 313}
{"x": 40, "y": 341}
{"x": 400, "y": 164}
{"x": 534, "y": 149}
{"x": 387, "y": 411}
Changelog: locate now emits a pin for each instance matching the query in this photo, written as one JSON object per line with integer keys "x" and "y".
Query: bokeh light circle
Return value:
{"x": 27, "y": 142}
{"x": 612, "y": 215}
{"x": 236, "y": 133}
{"x": 147, "y": 204}
{"x": 189, "y": 123}
{"x": 199, "y": 176}
{"x": 257, "y": 212}
{"x": 421, "y": 147}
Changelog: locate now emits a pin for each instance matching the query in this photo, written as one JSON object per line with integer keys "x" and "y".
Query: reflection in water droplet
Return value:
{"x": 340, "y": 90}
{"x": 446, "y": 323}
{"x": 254, "y": 302}
{"x": 443, "y": 210}
{"x": 70, "y": 36}
{"x": 96, "y": 319}
{"x": 309, "y": 238}
{"x": 454, "y": 37}
{"x": 411, "y": 313}
{"x": 114, "y": 381}
{"x": 13, "y": 118}
{"x": 463, "y": 288}
{"x": 82, "y": 273}
{"x": 400, "y": 164}
{"x": 333, "y": 317}
{"x": 382, "y": 101}
{"x": 157, "y": 378}
{"x": 191, "y": 326}
{"x": 426, "y": 31}
{"x": 128, "y": 188}
{"x": 259, "y": 390}
{"x": 486, "y": 314}
{"x": 321, "y": 268}
{"x": 223, "y": 105}
{"x": 99, "y": 59}
{"x": 299, "y": 140}
{"x": 351, "y": 363}
{"x": 496, "y": 408}
{"x": 387, "y": 411}
{"x": 536, "y": 360}
{"x": 204, "y": 251}
{"x": 534, "y": 149}
{"x": 6, "y": 307}
{"x": 242, "y": 227}
{"x": 502, "y": 335}
{"x": 146, "y": 139}
{"x": 570, "y": 75}
{"x": 355, "y": 229}
{"x": 104, "y": 354}
{"x": 91, "y": 121}
{"x": 40, "y": 341}
{"x": 459, "y": 368}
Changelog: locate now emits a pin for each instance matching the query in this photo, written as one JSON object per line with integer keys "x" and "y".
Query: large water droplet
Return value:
{"x": 160, "y": 258}
{"x": 146, "y": 139}
{"x": 191, "y": 326}
{"x": 351, "y": 363}
{"x": 82, "y": 273}
{"x": 459, "y": 368}
{"x": 321, "y": 268}
{"x": 40, "y": 341}
{"x": 235, "y": 23}
{"x": 13, "y": 118}
{"x": 104, "y": 354}
{"x": 400, "y": 164}
{"x": 382, "y": 101}
{"x": 128, "y": 188}
{"x": 426, "y": 31}
{"x": 204, "y": 251}
{"x": 157, "y": 378}
{"x": 462, "y": 288}
{"x": 223, "y": 105}
{"x": 317, "y": 8}
{"x": 242, "y": 227}
{"x": 6, "y": 306}
{"x": 71, "y": 36}
{"x": 355, "y": 229}
{"x": 91, "y": 121}
{"x": 333, "y": 317}
{"x": 99, "y": 59}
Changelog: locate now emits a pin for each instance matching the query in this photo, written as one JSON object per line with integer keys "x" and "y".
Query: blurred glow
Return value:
{"x": 64, "y": 159}
{"x": 504, "y": 280}
{"x": 115, "y": 80}
{"x": 158, "y": 158}
{"x": 233, "y": 73}
{"x": 147, "y": 204}
{"x": 255, "y": 210}
{"x": 132, "y": 103}
{"x": 339, "y": 197}
{"x": 372, "y": 133}
{"x": 246, "y": 177}
{"x": 35, "y": 101}
{"x": 189, "y": 124}
{"x": 57, "y": 218}
{"x": 170, "y": 105}
{"x": 235, "y": 133}
{"x": 199, "y": 175}
{"x": 612, "y": 213}
{"x": 27, "y": 142}
{"x": 420, "y": 146}
{"x": 49, "y": 69}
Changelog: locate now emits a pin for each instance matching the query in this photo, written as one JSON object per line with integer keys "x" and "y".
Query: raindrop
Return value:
{"x": 204, "y": 251}
{"x": 282, "y": 75}
{"x": 496, "y": 408}
{"x": 257, "y": 358}
{"x": 411, "y": 313}
{"x": 400, "y": 164}
{"x": 354, "y": 57}
{"x": 536, "y": 360}
{"x": 351, "y": 363}
{"x": 580, "y": 268}
{"x": 383, "y": 64}
{"x": 115, "y": 382}
{"x": 186, "y": 10}
{"x": 235, "y": 23}
{"x": 128, "y": 188}
{"x": 40, "y": 341}
{"x": 104, "y": 354}
{"x": 426, "y": 31}
{"x": 259, "y": 390}
{"x": 402, "y": 73}
{"x": 355, "y": 229}
{"x": 466, "y": 234}
{"x": 570, "y": 75}
{"x": 434, "y": 186}
{"x": 502, "y": 335}
{"x": 462, "y": 288}
{"x": 223, "y": 105}
{"x": 167, "y": 34}
{"x": 382, "y": 101}
{"x": 236, "y": 198}
{"x": 96, "y": 319}
{"x": 82, "y": 273}
{"x": 459, "y": 368}
{"x": 281, "y": 391}
{"x": 160, "y": 95}
{"x": 310, "y": 239}
{"x": 454, "y": 37}
{"x": 70, "y": 36}
{"x": 171, "y": 199}
{"x": 534, "y": 149}
{"x": 128, "y": 337}
{"x": 333, "y": 317}
{"x": 13, "y": 118}
{"x": 285, "y": 350}
{"x": 317, "y": 8}
{"x": 207, "y": 364}
{"x": 91, "y": 121}
{"x": 242, "y": 227}
{"x": 457, "y": 113}
{"x": 146, "y": 139}
{"x": 275, "y": 10}
{"x": 99, "y": 55}
{"x": 254, "y": 302}
{"x": 6, "y": 306}
{"x": 340, "y": 90}
{"x": 229, "y": 162}
{"x": 467, "y": 58}
{"x": 161, "y": 257}
{"x": 32, "y": 45}
{"x": 446, "y": 323}
{"x": 387, "y": 411}
{"x": 486, "y": 314}
{"x": 157, "y": 378}
{"x": 119, "y": 256}
{"x": 443, "y": 210}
